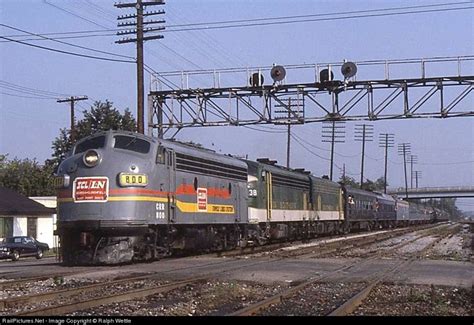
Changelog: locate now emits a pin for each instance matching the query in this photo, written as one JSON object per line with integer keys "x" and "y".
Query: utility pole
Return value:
{"x": 412, "y": 159}
{"x": 334, "y": 132}
{"x": 139, "y": 30}
{"x": 72, "y": 100}
{"x": 288, "y": 144}
{"x": 386, "y": 140}
{"x": 289, "y": 109}
{"x": 404, "y": 149}
{"x": 417, "y": 176}
{"x": 363, "y": 132}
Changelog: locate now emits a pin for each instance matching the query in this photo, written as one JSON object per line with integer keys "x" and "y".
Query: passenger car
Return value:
{"x": 14, "y": 247}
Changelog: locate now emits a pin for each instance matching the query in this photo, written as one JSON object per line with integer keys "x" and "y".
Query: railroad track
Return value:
{"x": 329, "y": 246}
{"x": 22, "y": 281}
{"x": 92, "y": 302}
{"x": 354, "y": 301}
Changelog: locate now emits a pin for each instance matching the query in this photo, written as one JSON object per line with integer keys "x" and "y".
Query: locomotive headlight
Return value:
{"x": 91, "y": 158}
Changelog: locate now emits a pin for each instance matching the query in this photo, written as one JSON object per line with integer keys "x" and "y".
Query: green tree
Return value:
{"x": 378, "y": 185}
{"x": 346, "y": 180}
{"x": 101, "y": 117}
{"x": 446, "y": 204}
{"x": 26, "y": 176}
{"x": 369, "y": 185}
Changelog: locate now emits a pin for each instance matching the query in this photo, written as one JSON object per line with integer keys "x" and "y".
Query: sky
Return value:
{"x": 28, "y": 124}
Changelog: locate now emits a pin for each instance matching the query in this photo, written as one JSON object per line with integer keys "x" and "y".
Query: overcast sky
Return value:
{"x": 28, "y": 124}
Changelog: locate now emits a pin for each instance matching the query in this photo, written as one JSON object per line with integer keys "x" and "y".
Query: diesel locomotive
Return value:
{"x": 124, "y": 197}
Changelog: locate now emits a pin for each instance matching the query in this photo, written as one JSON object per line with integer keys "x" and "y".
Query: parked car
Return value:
{"x": 14, "y": 247}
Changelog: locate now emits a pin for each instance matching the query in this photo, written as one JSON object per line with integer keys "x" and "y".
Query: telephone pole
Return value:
{"x": 139, "y": 31}
{"x": 417, "y": 176}
{"x": 72, "y": 100}
{"x": 386, "y": 140}
{"x": 412, "y": 159}
{"x": 363, "y": 133}
{"x": 404, "y": 149}
{"x": 288, "y": 145}
{"x": 334, "y": 132}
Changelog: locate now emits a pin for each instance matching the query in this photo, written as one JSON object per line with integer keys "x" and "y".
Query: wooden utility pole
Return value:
{"x": 363, "y": 133}
{"x": 334, "y": 132}
{"x": 72, "y": 100}
{"x": 417, "y": 176}
{"x": 404, "y": 149}
{"x": 288, "y": 136}
{"x": 139, "y": 31}
{"x": 386, "y": 140}
{"x": 412, "y": 159}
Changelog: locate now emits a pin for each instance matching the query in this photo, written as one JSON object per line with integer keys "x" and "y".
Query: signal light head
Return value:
{"x": 278, "y": 73}
{"x": 256, "y": 79}
{"x": 348, "y": 69}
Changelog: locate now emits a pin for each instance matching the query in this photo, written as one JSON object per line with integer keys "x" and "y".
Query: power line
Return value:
{"x": 323, "y": 149}
{"x": 67, "y": 52}
{"x": 309, "y": 150}
{"x": 76, "y": 15}
{"x": 170, "y": 27}
{"x": 61, "y": 42}
{"x": 313, "y": 20}
{"x": 58, "y": 38}
{"x": 8, "y": 94}
{"x": 321, "y": 15}
{"x": 260, "y": 130}
{"x": 30, "y": 91}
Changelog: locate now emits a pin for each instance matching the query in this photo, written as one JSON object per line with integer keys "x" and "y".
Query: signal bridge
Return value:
{"x": 409, "y": 88}
{"x": 434, "y": 192}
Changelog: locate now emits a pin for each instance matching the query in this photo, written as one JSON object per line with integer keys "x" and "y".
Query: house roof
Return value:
{"x": 13, "y": 203}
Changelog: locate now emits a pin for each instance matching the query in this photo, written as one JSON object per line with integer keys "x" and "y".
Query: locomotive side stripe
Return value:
{"x": 183, "y": 189}
{"x": 138, "y": 198}
{"x": 187, "y": 207}
{"x": 136, "y": 191}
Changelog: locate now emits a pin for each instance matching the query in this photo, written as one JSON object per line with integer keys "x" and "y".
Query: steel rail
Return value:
{"x": 115, "y": 298}
{"x": 355, "y": 301}
{"x": 278, "y": 298}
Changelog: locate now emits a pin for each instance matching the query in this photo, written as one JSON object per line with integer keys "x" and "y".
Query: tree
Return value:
{"x": 446, "y": 204}
{"x": 369, "y": 185}
{"x": 26, "y": 176}
{"x": 102, "y": 117}
{"x": 378, "y": 185}
{"x": 346, "y": 180}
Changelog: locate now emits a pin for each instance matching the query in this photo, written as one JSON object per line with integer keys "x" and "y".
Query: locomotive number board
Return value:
{"x": 129, "y": 179}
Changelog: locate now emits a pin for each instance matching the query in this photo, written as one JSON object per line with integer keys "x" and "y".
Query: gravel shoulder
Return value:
{"x": 417, "y": 300}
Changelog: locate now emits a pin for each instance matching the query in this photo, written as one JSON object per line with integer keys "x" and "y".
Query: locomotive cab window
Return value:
{"x": 160, "y": 156}
{"x": 131, "y": 143}
{"x": 94, "y": 143}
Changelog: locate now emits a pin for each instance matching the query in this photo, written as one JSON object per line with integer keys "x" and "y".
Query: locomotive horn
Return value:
{"x": 256, "y": 79}
{"x": 278, "y": 73}
{"x": 348, "y": 69}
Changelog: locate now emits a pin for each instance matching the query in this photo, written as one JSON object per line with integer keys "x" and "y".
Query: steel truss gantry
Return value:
{"x": 181, "y": 108}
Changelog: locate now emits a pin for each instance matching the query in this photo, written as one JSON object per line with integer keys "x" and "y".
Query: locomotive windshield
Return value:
{"x": 94, "y": 143}
{"x": 131, "y": 143}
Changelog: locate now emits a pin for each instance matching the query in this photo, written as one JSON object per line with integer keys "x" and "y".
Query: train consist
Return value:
{"x": 125, "y": 197}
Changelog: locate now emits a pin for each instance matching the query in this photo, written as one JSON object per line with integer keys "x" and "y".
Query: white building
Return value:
{"x": 21, "y": 216}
